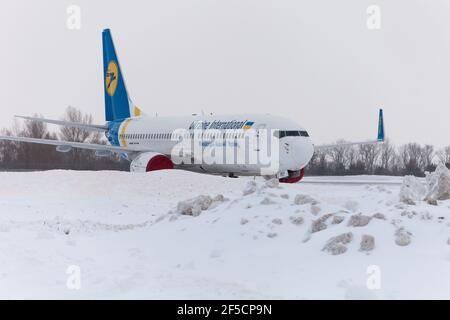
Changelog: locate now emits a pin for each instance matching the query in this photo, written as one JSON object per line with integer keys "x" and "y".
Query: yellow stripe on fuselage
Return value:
{"x": 122, "y": 132}
{"x": 136, "y": 111}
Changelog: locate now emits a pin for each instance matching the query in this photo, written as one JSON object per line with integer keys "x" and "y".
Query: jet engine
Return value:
{"x": 150, "y": 161}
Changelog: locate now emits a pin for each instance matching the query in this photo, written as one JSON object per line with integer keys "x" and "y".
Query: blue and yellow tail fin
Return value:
{"x": 380, "y": 136}
{"x": 118, "y": 104}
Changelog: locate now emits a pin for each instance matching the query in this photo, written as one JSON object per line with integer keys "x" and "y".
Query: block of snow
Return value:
{"x": 358, "y": 220}
{"x": 296, "y": 220}
{"x": 277, "y": 221}
{"x": 304, "y": 199}
{"x": 379, "y": 216}
{"x": 425, "y": 215}
{"x": 412, "y": 190}
{"x": 249, "y": 188}
{"x": 351, "y": 205}
{"x": 244, "y": 221}
{"x": 337, "y": 219}
{"x": 367, "y": 243}
{"x": 194, "y": 206}
{"x": 267, "y": 201}
{"x": 409, "y": 214}
{"x": 402, "y": 237}
{"x": 315, "y": 209}
{"x": 438, "y": 184}
{"x": 219, "y": 198}
{"x": 337, "y": 245}
{"x": 319, "y": 224}
{"x": 272, "y": 183}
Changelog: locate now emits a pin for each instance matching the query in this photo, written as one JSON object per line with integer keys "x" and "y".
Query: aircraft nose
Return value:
{"x": 300, "y": 151}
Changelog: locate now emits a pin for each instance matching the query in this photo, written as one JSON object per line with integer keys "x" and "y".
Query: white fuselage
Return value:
{"x": 163, "y": 134}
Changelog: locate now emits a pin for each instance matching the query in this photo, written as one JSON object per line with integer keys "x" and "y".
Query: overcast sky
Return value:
{"x": 312, "y": 61}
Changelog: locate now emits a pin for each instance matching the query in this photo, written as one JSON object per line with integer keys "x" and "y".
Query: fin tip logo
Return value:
{"x": 111, "y": 78}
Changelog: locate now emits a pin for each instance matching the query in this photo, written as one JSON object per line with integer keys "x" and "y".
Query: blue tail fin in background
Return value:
{"x": 117, "y": 102}
{"x": 380, "y": 136}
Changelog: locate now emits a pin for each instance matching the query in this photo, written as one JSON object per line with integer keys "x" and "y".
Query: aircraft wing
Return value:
{"x": 78, "y": 145}
{"x": 380, "y": 137}
{"x": 89, "y": 127}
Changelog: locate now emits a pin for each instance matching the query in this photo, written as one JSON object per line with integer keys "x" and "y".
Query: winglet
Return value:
{"x": 380, "y": 136}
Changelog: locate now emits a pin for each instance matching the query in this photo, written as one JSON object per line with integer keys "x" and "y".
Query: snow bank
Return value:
{"x": 438, "y": 184}
{"x": 402, "y": 237}
{"x": 194, "y": 206}
{"x": 367, "y": 243}
{"x": 437, "y": 187}
{"x": 101, "y": 219}
{"x": 320, "y": 224}
{"x": 412, "y": 190}
{"x": 337, "y": 245}
{"x": 249, "y": 188}
{"x": 301, "y": 199}
{"x": 359, "y": 220}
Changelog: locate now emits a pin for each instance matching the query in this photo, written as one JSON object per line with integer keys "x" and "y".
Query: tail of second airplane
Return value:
{"x": 118, "y": 104}
{"x": 380, "y": 136}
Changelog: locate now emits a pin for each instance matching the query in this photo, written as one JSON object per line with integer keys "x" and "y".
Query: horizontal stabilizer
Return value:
{"x": 89, "y": 127}
{"x": 64, "y": 146}
{"x": 380, "y": 137}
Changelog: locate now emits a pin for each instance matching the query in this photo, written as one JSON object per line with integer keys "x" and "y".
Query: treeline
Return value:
{"x": 30, "y": 156}
{"x": 378, "y": 159}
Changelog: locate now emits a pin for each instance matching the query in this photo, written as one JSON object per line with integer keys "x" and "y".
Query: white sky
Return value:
{"x": 312, "y": 61}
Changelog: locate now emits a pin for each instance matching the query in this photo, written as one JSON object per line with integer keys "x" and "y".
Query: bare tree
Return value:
{"x": 8, "y": 150}
{"x": 412, "y": 159}
{"x": 73, "y": 114}
{"x": 339, "y": 156}
{"x": 319, "y": 163}
{"x": 352, "y": 156}
{"x": 369, "y": 155}
{"x": 30, "y": 155}
{"x": 427, "y": 155}
{"x": 387, "y": 154}
{"x": 444, "y": 155}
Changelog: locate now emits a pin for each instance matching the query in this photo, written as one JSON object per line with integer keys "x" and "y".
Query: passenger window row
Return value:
{"x": 170, "y": 136}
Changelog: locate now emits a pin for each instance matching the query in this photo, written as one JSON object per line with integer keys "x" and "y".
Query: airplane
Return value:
{"x": 148, "y": 142}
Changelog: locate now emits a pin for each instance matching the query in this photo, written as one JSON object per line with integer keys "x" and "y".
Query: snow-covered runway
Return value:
{"x": 127, "y": 235}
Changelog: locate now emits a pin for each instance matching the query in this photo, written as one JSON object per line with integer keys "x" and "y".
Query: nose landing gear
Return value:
{"x": 294, "y": 176}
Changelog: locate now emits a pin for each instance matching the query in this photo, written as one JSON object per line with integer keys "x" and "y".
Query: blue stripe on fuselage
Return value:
{"x": 113, "y": 132}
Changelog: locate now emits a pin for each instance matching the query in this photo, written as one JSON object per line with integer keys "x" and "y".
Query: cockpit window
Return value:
{"x": 304, "y": 133}
{"x": 290, "y": 133}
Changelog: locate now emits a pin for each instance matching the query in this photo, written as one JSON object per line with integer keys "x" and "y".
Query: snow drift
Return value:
{"x": 438, "y": 184}
{"x": 181, "y": 235}
{"x": 437, "y": 187}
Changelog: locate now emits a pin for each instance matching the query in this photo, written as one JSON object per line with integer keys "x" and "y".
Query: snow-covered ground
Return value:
{"x": 126, "y": 234}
